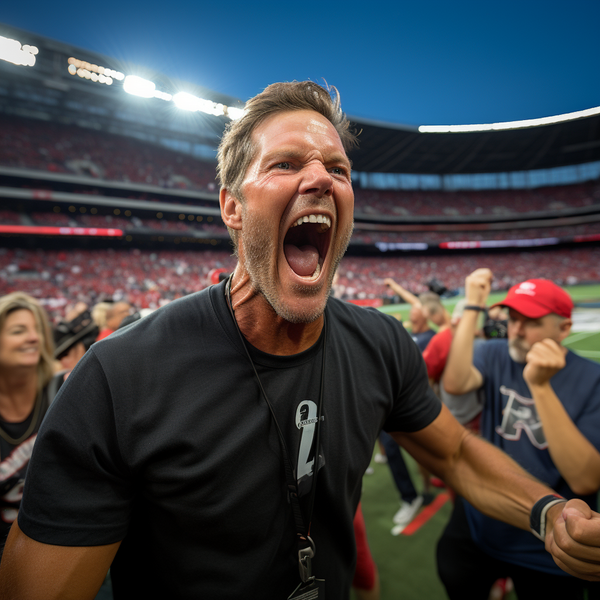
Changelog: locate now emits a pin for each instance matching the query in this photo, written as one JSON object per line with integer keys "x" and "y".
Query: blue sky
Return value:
{"x": 429, "y": 62}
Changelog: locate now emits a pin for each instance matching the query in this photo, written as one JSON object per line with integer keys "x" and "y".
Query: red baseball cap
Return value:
{"x": 536, "y": 298}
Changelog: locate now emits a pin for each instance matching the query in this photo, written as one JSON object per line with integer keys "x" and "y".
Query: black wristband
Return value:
{"x": 473, "y": 307}
{"x": 537, "y": 517}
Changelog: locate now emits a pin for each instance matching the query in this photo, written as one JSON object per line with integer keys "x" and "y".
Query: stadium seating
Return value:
{"x": 149, "y": 278}
{"x": 59, "y": 148}
{"x": 102, "y": 156}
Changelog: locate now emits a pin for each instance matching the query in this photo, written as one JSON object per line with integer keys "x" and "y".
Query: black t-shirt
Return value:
{"x": 161, "y": 438}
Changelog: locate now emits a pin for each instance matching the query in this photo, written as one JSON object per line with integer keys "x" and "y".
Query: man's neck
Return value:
{"x": 263, "y": 328}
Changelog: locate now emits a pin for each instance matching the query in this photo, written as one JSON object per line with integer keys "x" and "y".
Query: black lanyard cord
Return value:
{"x": 306, "y": 547}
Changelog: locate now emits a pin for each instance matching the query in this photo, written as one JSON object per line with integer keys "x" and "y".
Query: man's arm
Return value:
{"x": 404, "y": 294}
{"x": 577, "y": 460}
{"x": 460, "y": 376}
{"x": 31, "y": 570}
{"x": 501, "y": 489}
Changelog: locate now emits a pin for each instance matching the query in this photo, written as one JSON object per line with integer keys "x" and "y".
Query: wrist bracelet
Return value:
{"x": 537, "y": 517}
{"x": 473, "y": 307}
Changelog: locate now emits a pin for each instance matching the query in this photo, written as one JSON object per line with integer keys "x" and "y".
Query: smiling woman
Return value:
{"x": 26, "y": 385}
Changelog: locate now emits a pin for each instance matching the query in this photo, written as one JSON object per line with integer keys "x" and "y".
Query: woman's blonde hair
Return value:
{"x": 19, "y": 301}
{"x": 99, "y": 313}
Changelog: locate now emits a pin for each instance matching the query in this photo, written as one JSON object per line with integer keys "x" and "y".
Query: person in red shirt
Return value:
{"x": 114, "y": 316}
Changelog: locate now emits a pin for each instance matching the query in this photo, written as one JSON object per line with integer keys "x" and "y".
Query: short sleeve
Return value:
{"x": 78, "y": 491}
{"x": 416, "y": 405}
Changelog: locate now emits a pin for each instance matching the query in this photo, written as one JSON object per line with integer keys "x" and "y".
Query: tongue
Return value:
{"x": 303, "y": 260}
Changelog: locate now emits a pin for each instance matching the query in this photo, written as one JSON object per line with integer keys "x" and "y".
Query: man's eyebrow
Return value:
{"x": 282, "y": 153}
{"x": 293, "y": 154}
{"x": 339, "y": 158}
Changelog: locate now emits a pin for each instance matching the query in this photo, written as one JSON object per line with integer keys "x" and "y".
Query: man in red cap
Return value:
{"x": 542, "y": 407}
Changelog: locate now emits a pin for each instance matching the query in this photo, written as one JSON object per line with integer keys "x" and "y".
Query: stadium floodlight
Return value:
{"x": 187, "y": 101}
{"x": 11, "y": 51}
{"x": 163, "y": 95}
{"x": 580, "y": 114}
{"x": 138, "y": 86}
{"x": 234, "y": 113}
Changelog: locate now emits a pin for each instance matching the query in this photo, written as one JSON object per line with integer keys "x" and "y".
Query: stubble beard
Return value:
{"x": 517, "y": 350}
{"x": 260, "y": 250}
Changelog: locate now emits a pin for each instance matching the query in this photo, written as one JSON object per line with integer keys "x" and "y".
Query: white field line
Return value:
{"x": 589, "y": 353}
{"x": 579, "y": 336}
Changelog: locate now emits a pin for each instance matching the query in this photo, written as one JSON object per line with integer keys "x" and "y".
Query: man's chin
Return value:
{"x": 519, "y": 355}
{"x": 309, "y": 310}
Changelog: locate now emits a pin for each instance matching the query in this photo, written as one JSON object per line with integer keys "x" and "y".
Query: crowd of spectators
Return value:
{"x": 474, "y": 202}
{"x": 372, "y": 237}
{"x": 102, "y": 156}
{"x": 147, "y": 279}
{"x": 363, "y": 278}
{"x": 70, "y": 149}
{"x": 213, "y": 225}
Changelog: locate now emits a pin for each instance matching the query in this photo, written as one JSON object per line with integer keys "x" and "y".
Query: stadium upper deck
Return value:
{"x": 74, "y": 141}
{"x": 71, "y": 85}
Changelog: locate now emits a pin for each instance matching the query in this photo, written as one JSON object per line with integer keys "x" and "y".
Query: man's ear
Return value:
{"x": 565, "y": 328}
{"x": 231, "y": 209}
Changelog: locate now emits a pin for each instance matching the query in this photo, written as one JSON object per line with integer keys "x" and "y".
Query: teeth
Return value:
{"x": 322, "y": 219}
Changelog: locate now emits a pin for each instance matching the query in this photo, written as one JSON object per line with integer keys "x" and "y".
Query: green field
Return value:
{"x": 407, "y": 563}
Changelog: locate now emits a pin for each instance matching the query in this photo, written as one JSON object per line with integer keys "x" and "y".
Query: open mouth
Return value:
{"x": 306, "y": 245}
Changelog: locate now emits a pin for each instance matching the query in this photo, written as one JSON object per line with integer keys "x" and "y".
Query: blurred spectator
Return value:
{"x": 73, "y": 338}
{"x": 27, "y": 387}
{"x": 114, "y": 316}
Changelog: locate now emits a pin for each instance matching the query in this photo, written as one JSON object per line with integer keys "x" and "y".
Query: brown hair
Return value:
{"x": 237, "y": 150}
{"x": 18, "y": 301}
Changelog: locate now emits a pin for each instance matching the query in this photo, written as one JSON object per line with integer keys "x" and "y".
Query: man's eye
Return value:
{"x": 284, "y": 165}
{"x": 338, "y": 171}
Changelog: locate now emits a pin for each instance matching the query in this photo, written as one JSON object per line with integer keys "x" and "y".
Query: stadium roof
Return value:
{"x": 388, "y": 148}
{"x": 52, "y": 91}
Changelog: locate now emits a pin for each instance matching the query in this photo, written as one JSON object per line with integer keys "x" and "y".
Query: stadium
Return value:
{"x": 108, "y": 192}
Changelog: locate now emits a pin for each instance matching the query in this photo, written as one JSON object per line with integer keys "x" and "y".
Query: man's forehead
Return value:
{"x": 300, "y": 125}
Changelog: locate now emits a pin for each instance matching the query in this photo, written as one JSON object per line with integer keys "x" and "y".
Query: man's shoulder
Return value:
{"x": 425, "y": 335}
{"x": 492, "y": 347}
{"x": 346, "y": 312}
{"x": 584, "y": 366}
{"x": 371, "y": 327}
{"x": 174, "y": 322}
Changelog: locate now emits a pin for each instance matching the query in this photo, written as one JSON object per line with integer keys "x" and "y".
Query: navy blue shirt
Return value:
{"x": 423, "y": 338}
{"x": 511, "y": 422}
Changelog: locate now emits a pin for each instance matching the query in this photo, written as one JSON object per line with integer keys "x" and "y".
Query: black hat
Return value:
{"x": 67, "y": 334}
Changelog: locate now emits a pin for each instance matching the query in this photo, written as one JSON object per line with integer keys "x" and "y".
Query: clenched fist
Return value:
{"x": 477, "y": 286}
{"x": 544, "y": 360}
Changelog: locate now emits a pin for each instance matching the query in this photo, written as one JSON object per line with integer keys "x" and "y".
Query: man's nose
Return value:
{"x": 316, "y": 180}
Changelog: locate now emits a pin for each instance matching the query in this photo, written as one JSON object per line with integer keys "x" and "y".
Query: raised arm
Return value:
{"x": 31, "y": 570}
{"x": 404, "y": 294}
{"x": 460, "y": 376}
{"x": 501, "y": 489}
{"x": 576, "y": 458}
